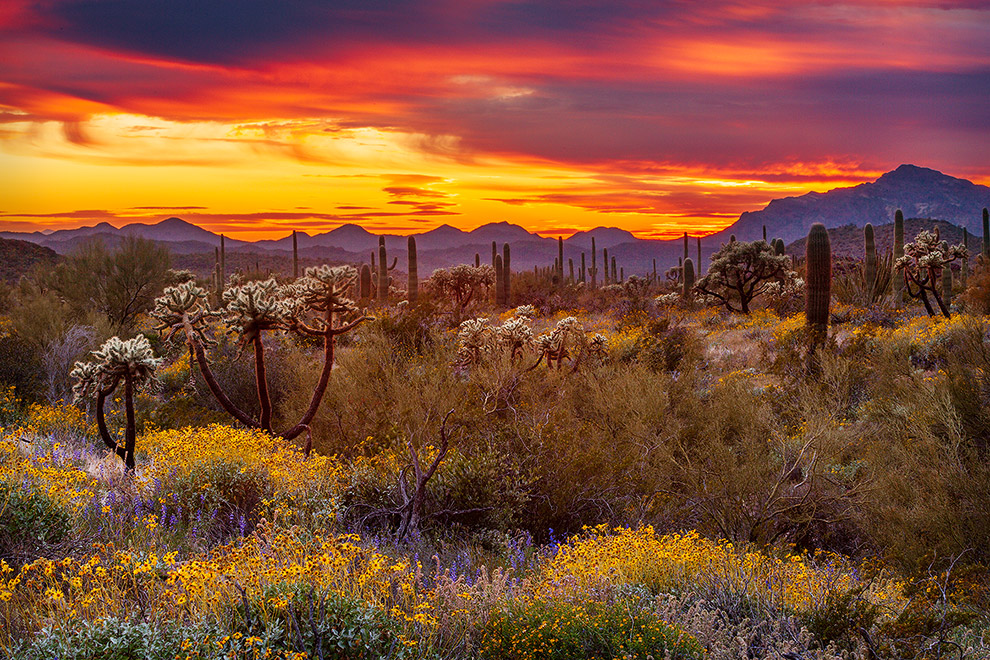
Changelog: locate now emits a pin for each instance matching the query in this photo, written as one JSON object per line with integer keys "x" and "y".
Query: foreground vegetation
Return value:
{"x": 626, "y": 473}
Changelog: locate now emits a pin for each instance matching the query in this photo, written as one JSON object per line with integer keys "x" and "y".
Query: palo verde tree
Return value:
{"x": 131, "y": 363}
{"x": 740, "y": 271}
{"x": 119, "y": 283}
{"x": 315, "y": 306}
{"x": 922, "y": 265}
{"x": 461, "y": 284}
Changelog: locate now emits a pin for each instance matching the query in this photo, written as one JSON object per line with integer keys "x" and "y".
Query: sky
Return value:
{"x": 256, "y": 117}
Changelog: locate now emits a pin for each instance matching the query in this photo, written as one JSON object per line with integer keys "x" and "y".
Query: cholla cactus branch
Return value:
{"x": 131, "y": 362}
{"x": 922, "y": 265}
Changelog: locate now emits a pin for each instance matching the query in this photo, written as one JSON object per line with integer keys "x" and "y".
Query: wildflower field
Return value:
{"x": 618, "y": 473}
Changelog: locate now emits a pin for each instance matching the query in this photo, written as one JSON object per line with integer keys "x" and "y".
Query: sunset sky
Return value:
{"x": 255, "y": 117}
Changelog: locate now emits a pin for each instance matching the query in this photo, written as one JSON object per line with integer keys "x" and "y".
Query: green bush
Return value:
{"x": 560, "y": 630}
{"x": 31, "y": 523}
{"x": 110, "y": 639}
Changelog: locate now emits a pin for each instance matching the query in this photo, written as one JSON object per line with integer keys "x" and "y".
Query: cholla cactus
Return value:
{"x": 474, "y": 337}
{"x": 553, "y": 346}
{"x": 922, "y": 265}
{"x": 314, "y": 305}
{"x": 524, "y": 312}
{"x": 462, "y": 284}
{"x": 515, "y": 335}
{"x": 130, "y": 362}
{"x": 598, "y": 345}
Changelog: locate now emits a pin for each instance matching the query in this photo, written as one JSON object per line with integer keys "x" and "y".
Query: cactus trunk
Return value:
{"x": 986, "y": 234}
{"x": 688, "y": 277}
{"x": 946, "y": 279}
{"x": 870, "y": 261}
{"x": 818, "y": 288}
{"x": 295, "y": 256}
{"x": 413, "y": 268}
{"x": 506, "y": 276}
{"x": 897, "y": 280}
{"x": 594, "y": 268}
{"x": 382, "y": 272}
{"x": 499, "y": 282}
{"x": 583, "y": 272}
{"x": 364, "y": 288}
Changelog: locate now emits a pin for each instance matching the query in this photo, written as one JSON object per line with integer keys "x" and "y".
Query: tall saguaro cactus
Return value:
{"x": 295, "y": 256}
{"x": 897, "y": 282}
{"x": 583, "y": 273}
{"x": 383, "y": 270}
{"x": 364, "y": 285}
{"x": 413, "y": 268}
{"x": 129, "y": 362}
{"x": 870, "y": 261}
{"x": 986, "y": 234}
{"x": 605, "y": 278}
{"x": 594, "y": 267}
{"x": 560, "y": 259}
{"x": 818, "y": 285}
{"x": 499, "y": 281}
{"x": 506, "y": 275}
{"x": 688, "y": 277}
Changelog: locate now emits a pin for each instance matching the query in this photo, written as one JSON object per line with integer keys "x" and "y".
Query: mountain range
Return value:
{"x": 920, "y": 192}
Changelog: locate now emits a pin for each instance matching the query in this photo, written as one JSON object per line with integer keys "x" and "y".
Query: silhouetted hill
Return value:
{"x": 848, "y": 241}
{"x": 19, "y": 257}
{"x": 917, "y": 191}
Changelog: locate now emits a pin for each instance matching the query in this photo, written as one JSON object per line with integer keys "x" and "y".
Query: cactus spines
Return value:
{"x": 364, "y": 287}
{"x": 818, "y": 285}
{"x": 506, "y": 275}
{"x": 295, "y": 256}
{"x": 897, "y": 281}
{"x": 986, "y": 234}
{"x": 413, "y": 285}
{"x": 946, "y": 278}
{"x": 688, "y": 269}
{"x": 499, "y": 282}
{"x": 870, "y": 260}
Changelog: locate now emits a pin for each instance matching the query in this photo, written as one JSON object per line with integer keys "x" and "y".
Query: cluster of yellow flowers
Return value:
{"x": 924, "y": 331}
{"x": 49, "y": 472}
{"x": 181, "y": 455}
{"x": 678, "y": 562}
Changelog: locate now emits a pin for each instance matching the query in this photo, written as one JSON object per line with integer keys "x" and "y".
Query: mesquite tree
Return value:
{"x": 740, "y": 271}
{"x": 922, "y": 266}
{"x": 131, "y": 363}
{"x": 315, "y": 305}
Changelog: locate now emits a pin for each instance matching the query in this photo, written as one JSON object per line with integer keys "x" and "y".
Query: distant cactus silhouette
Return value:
{"x": 583, "y": 271}
{"x": 869, "y": 260}
{"x": 295, "y": 256}
{"x": 898, "y": 282}
{"x": 384, "y": 281}
{"x": 130, "y": 362}
{"x": 413, "y": 267}
{"x": 506, "y": 275}
{"x": 594, "y": 266}
{"x": 560, "y": 259}
{"x": 818, "y": 288}
{"x": 605, "y": 277}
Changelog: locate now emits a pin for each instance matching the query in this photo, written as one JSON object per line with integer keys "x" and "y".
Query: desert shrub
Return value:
{"x": 665, "y": 345}
{"x": 977, "y": 293}
{"x": 113, "y": 639}
{"x": 20, "y": 366}
{"x": 412, "y": 327}
{"x": 561, "y": 630}
{"x": 31, "y": 523}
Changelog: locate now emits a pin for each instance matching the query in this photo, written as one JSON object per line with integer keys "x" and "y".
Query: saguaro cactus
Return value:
{"x": 688, "y": 277}
{"x": 685, "y": 245}
{"x": 986, "y": 234}
{"x": 699, "y": 255}
{"x": 413, "y": 285}
{"x": 560, "y": 259}
{"x": 605, "y": 278}
{"x": 494, "y": 252}
{"x": 946, "y": 278}
{"x": 477, "y": 260}
{"x": 383, "y": 270}
{"x": 594, "y": 267}
{"x": 615, "y": 273}
{"x": 131, "y": 362}
{"x": 818, "y": 287}
{"x": 570, "y": 270}
{"x": 499, "y": 281}
{"x": 869, "y": 261}
{"x": 506, "y": 275}
{"x": 583, "y": 273}
{"x": 897, "y": 282}
{"x": 364, "y": 287}
{"x": 295, "y": 256}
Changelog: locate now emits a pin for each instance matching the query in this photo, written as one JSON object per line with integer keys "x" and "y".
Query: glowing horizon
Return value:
{"x": 406, "y": 116}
